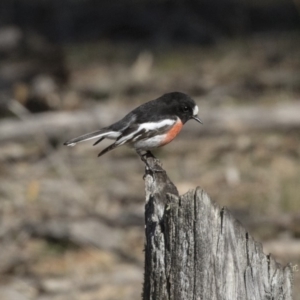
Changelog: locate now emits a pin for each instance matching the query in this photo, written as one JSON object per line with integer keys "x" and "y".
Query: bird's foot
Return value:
{"x": 152, "y": 166}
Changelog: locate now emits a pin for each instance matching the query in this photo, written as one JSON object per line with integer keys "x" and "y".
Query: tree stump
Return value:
{"x": 196, "y": 250}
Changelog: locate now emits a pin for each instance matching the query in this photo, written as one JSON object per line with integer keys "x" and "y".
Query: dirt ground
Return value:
{"x": 72, "y": 223}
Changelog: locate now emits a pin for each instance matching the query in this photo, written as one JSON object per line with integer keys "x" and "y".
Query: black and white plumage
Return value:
{"x": 151, "y": 125}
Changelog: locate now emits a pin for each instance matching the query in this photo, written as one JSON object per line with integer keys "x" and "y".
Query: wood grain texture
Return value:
{"x": 196, "y": 250}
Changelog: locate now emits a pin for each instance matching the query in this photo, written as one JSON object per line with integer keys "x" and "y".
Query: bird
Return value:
{"x": 147, "y": 127}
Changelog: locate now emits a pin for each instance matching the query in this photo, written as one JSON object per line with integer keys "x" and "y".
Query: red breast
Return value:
{"x": 172, "y": 132}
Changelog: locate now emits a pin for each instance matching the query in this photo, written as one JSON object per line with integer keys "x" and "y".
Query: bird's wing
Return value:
{"x": 112, "y": 132}
{"x": 118, "y": 127}
{"x": 146, "y": 130}
{"x": 142, "y": 131}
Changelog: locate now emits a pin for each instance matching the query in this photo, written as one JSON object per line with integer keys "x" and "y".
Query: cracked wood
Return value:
{"x": 196, "y": 250}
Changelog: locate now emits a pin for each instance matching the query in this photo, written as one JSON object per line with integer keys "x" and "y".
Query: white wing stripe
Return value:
{"x": 156, "y": 125}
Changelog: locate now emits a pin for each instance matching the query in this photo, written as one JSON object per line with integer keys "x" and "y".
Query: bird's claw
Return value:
{"x": 149, "y": 169}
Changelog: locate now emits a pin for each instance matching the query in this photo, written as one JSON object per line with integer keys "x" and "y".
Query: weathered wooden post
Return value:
{"x": 195, "y": 250}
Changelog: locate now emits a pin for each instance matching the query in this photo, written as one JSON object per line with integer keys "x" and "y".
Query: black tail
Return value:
{"x": 98, "y": 141}
{"x": 102, "y": 133}
{"x": 109, "y": 148}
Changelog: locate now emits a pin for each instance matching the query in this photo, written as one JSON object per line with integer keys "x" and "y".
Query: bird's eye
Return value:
{"x": 185, "y": 109}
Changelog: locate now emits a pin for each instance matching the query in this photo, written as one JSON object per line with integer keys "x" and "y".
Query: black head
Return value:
{"x": 183, "y": 106}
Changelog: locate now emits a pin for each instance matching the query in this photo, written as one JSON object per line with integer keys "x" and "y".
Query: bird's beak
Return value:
{"x": 196, "y": 118}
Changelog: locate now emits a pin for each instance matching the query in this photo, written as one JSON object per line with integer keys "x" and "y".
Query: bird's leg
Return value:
{"x": 144, "y": 157}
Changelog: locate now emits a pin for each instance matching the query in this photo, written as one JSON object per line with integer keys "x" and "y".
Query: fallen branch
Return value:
{"x": 62, "y": 125}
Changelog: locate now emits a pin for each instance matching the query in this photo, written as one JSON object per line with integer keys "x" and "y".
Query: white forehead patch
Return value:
{"x": 195, "y": 110}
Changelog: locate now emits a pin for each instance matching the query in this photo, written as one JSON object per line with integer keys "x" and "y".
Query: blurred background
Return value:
{"x": 72, "y": 225}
